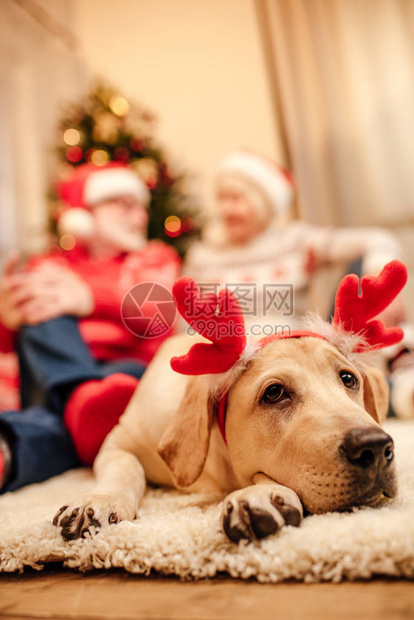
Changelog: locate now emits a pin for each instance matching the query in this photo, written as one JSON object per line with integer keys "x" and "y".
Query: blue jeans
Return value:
{"x": 53, "y": 361}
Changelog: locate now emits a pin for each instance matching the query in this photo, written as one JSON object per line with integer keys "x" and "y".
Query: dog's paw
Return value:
{"x": 259, "y": 511}
{"x": 91, "y": 511}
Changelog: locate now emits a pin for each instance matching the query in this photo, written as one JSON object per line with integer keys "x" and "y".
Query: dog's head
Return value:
{"x": 303, "y": 411}
{"x": 302, "y": 414}
{"x": 308, "y": 418}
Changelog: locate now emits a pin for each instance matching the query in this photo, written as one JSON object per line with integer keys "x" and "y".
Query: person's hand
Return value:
{"x": 12, "y": 294}
{"x": 52, "y": 290}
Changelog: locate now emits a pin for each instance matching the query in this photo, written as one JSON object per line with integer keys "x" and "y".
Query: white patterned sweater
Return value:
{"x": 272, "y": 274}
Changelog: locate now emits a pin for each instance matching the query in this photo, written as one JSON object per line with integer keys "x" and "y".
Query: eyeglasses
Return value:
{"x": 128, "y": 204}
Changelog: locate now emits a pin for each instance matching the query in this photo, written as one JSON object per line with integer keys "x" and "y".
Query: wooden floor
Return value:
{"x": 55, "y": 593}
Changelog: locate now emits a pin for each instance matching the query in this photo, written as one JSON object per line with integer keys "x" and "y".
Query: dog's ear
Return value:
{"x": 185, "y": 443}
{"x": 376, "y": 393}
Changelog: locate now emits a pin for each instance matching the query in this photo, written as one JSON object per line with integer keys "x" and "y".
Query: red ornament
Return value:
{"x": 122, "y": 154}
{"x": 137, "y": 145}
{"x": 173, "y": 233}
{"x": 187, "y": 225}
{"x": 151, "y": 182}
{"x": 74, "y": 154}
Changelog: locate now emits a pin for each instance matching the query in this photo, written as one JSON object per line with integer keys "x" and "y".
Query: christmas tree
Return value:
{"x": 105, "y": 126}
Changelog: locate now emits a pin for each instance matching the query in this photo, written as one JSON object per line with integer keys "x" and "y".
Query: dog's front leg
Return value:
{"x": 260, "y": 510}
{"x": 116, "y": 496}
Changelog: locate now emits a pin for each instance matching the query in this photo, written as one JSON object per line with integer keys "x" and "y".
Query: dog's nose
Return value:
{"x": 368, "y": 448}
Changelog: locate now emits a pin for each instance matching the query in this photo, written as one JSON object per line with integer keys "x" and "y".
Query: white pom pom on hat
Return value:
{"x": 91, "y": 184}
{"x": 274, "y": 181}
{"x": 78, "y": 222}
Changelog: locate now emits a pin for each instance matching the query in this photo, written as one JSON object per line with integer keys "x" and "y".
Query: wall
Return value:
{"x": 39, "y": 69}
{"x": 198, "y": 64}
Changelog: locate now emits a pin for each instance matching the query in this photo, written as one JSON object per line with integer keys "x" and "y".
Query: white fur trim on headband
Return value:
{"x": 346, "y": 342}
{"x": 272, "y": 181}
{"x": 113, "y": 182}
{"x": 221, "y": 383}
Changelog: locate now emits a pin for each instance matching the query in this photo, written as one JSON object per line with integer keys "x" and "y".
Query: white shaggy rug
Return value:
{"x": 177, "y": 534}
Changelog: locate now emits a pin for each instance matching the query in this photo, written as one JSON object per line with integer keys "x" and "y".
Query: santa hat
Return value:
{"x": 272, "y": 180}
{"x": 91, "y": 184}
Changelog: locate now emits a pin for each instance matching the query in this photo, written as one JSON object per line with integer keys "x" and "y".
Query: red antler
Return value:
{"x": 355, "y": 312}
{"x": 216, "y": 317}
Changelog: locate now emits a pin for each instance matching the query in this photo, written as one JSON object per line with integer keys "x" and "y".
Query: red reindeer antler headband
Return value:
{"x": 219, "y": 318}
{"x": 356, "y": 313}
{"x": 216, "y": 317}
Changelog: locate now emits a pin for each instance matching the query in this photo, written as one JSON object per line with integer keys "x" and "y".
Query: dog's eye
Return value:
{"x": 274, "y": 394}
{"x": 349, "y": 380}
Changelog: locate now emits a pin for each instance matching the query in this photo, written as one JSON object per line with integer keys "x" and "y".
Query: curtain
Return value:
{"x": 344, "y": 72}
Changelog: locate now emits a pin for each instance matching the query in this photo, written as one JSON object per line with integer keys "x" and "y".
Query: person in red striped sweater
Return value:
{"x": 79, "y": 363}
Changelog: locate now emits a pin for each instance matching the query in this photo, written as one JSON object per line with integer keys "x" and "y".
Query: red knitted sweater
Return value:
{"x": 110, "y": 279}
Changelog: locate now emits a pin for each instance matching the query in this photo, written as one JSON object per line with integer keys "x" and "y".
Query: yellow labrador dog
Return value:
{"x": 302, "y": 432}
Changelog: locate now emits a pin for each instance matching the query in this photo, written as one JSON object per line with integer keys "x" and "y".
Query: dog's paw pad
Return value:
{"x": 90, "y": 513}
{"x": 233, "y": 525}
{"x": 76, "y": 523}
{"x": 241, "y": 521}
{"x": 254, "y": 513}
{"x": 57, "y": 515}
{"x": 291, "y": 515}
{"x": 262, "y": 522}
